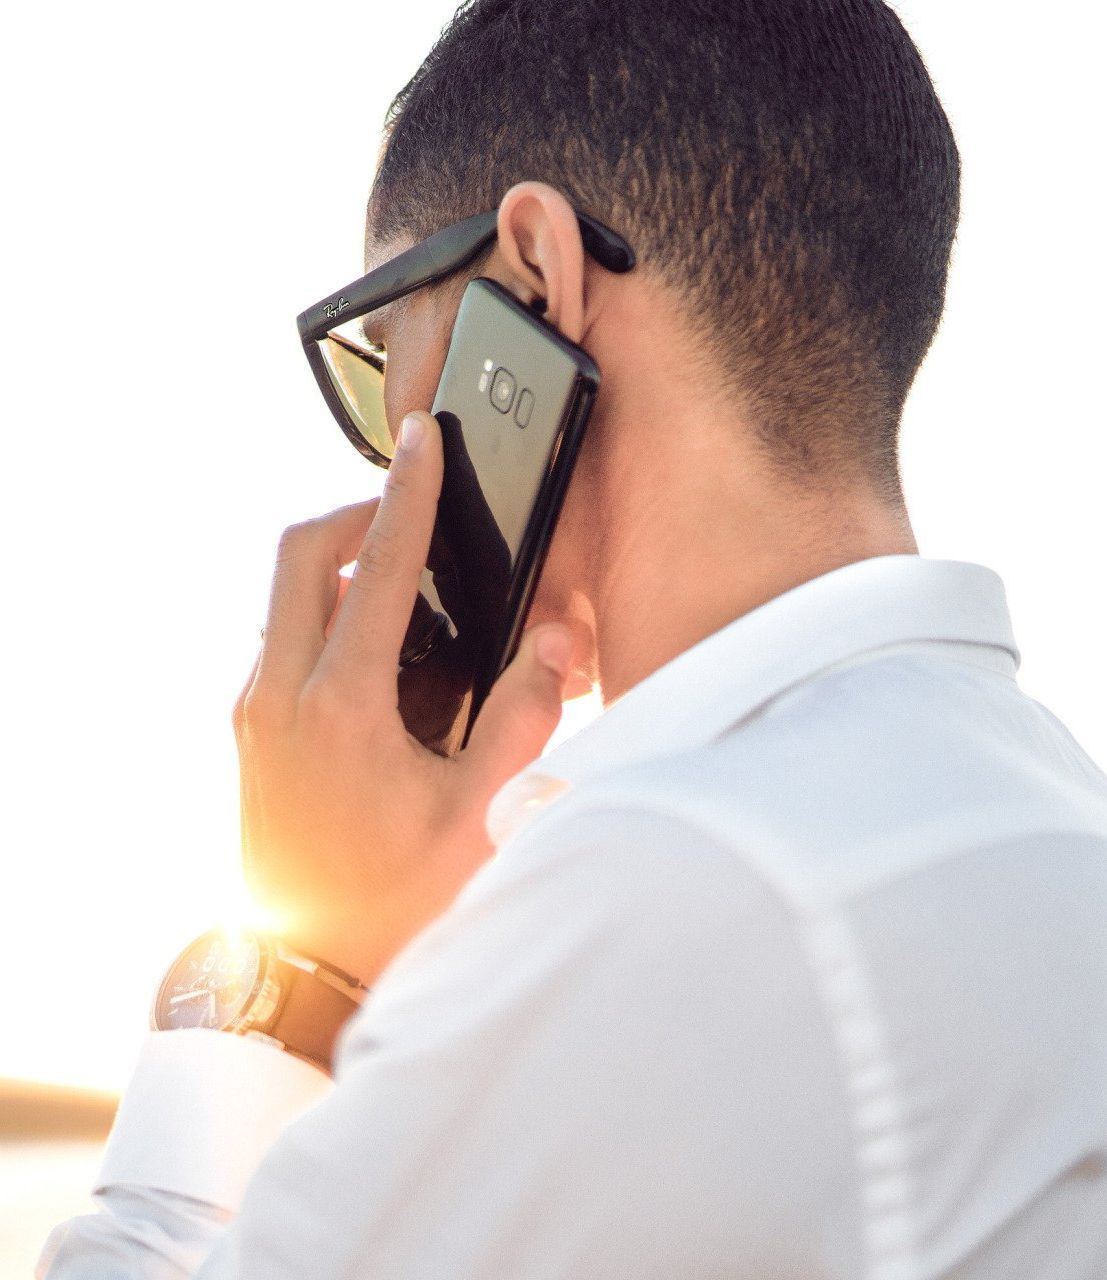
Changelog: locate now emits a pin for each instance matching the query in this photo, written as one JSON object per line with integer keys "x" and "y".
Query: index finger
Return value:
{"x": 364, "y": 646}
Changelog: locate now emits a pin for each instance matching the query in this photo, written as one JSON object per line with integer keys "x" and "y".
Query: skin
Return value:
{"x": 711, "y": 531}
{"x": 674, "y": 524}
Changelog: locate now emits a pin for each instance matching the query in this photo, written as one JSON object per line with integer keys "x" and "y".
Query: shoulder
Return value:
{"x": 857, "y": 778}
{"x": 610, "y": 867}
{"x": 600, "y": 907}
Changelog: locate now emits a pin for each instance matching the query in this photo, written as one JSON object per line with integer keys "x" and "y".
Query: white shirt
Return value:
{"x": 791, "y": 964}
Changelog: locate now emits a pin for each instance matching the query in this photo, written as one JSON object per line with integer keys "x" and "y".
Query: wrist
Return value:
{"x": 362, "y": 944}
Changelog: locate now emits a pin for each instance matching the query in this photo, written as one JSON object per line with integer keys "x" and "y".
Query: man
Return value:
{"x": 791, "y": 964}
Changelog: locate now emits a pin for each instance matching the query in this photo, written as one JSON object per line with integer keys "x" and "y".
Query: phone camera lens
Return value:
{"x": 502, "y": 391}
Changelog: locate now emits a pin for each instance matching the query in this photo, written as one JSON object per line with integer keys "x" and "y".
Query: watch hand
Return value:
{"x": 188, "y": 995}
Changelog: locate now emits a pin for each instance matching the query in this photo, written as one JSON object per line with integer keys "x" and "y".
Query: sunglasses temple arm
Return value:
{"x": 376, "y": 289}
{"x": 439, "y": 256}
{"x": 421, "y": 264}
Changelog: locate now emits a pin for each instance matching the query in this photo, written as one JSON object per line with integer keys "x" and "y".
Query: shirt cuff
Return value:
{"x": 201, "y": 1110}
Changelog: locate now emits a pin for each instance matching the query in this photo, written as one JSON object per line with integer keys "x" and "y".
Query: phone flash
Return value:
{"x": 482, "y": 385}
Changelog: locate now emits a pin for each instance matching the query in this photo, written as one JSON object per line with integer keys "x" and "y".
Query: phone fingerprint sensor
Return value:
{"x": 523, "y": 408}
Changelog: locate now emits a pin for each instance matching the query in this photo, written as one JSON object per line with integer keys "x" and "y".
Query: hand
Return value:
{"x": 353, "y": 831}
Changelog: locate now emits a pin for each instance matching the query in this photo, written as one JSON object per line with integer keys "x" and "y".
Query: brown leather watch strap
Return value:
{"x": 310, "y": 1015}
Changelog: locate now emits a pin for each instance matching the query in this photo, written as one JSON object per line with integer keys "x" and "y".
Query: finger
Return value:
{"x": 304, "y": 595}
{"x": 364, "y": 648}
{"x": 424, "y": 618}
{"x": 522, "y": 711}
{"x": 238, "y": 711}
{"x": 343, "y": 586}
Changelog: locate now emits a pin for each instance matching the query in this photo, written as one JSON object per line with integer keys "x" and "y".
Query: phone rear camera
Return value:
{"x": 502, "y": 392}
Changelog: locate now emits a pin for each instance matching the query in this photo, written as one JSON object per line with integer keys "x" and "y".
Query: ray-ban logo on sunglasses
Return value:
{"x": 335, "y": 309}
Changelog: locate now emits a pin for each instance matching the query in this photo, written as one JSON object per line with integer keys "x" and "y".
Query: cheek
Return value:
{"x": 414, "y": 368}
{"x": 406, "y": 389}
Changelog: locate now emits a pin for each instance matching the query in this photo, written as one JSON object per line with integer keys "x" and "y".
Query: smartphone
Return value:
{"x": 513, "y": 403}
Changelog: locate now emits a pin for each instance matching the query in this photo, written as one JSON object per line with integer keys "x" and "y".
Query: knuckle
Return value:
{"x": 327, "y": 713}
{"x": 377, "y": 556}
{"x": 321, "y": 709}
{"x": 527, "y": 706}
{"x": 253, "y": 711}
{"x": 398, "y": 481}
{"x": 525, "y": 715}
{"x": 296, "y": 536}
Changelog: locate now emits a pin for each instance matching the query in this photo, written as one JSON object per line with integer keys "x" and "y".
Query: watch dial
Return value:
{"x": 211, "y": 982}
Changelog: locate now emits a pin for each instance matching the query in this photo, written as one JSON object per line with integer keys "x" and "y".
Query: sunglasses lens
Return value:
{"x": 355, "y": 367}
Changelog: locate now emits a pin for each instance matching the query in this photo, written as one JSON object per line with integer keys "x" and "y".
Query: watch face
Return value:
{"x": 212, "y": 982}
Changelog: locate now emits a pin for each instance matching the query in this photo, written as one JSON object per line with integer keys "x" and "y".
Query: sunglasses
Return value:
{"x": 350, "y": 369}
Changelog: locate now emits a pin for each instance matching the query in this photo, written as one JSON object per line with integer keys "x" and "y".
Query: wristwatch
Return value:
{"x": 254, "y": 984}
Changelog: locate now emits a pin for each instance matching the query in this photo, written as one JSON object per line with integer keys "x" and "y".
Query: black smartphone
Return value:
{"x": 513, "y": 403}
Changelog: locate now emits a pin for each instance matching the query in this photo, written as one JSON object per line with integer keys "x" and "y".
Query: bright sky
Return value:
{"x": 181, "y": 185}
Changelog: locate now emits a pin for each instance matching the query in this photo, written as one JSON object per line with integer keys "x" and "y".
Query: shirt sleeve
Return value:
{"x": 138, "y": 1234}
{"x": 201, "y": 1109}
{"x": 606, "y": 1058}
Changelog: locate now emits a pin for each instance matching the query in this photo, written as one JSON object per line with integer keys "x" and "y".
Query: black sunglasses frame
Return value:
{"x": 427, "y": 262}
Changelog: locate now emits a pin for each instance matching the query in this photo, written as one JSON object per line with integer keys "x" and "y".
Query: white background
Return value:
{"x": 180, "y": 182}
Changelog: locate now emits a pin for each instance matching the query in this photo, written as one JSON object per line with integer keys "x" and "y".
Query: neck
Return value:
{"x": 675, "y": 524}
{"x": 711, "y": 549}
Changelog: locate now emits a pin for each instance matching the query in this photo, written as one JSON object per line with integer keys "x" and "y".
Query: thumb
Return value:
{"x": 522, "y": 711}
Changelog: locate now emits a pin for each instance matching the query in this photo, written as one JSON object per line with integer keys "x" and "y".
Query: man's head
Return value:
{"x": 790, "y": 184}
{"x": 783, "y": 165}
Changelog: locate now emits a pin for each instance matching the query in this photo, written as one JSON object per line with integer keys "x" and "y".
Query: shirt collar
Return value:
{"x": 707, "y": 689}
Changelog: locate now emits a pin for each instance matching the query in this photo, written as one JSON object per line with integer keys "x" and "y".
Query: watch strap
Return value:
{"x": 310, "y": 1015}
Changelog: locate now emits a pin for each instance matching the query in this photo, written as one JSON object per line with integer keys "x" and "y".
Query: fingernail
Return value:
{"x": 555, "y": 649}
{"x": 411, "y": 432}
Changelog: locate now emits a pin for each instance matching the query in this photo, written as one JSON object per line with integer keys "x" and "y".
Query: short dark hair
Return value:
{"x": 785, "y": 165}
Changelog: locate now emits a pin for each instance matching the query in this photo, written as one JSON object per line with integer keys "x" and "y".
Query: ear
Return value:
{"x": 539, "y": 240}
